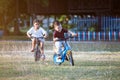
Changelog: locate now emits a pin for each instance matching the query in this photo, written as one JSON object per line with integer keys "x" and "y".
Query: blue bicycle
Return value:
{"x": 66, "y": 54}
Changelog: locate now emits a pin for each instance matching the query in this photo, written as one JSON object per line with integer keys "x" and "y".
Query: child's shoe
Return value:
{"x": 43, "y": 57}
{"x": 32, "y": 50}
{"x": 59, "y": 56}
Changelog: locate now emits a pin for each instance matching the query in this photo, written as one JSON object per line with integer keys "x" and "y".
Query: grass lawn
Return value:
{"x": 101, "y": 63}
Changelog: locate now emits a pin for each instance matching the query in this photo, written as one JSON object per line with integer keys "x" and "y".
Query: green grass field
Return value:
{"x": 93, "y": 61}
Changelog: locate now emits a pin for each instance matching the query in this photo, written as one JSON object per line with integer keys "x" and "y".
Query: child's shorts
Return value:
{"x": 42, "y": 40}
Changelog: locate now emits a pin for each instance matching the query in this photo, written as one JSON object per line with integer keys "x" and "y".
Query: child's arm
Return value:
{"x": 45, "y": 35}
{"x": 55, "y": 39}
{"x": 29, "y": 32}
{"x": 73, "y": 34}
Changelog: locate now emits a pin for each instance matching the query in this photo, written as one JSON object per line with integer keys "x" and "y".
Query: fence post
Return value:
{"x": 84, "y": 36}
{"x": 119, "y": 36}
{"x": 80, "y": 35}
{"x": 89, "y": 35}
{"x": 104, "y": 36}
{"x": 115, "y": 36}
{"x": 99, "y": 36}
{"x": 110, "y": 35}
{"x": 94, "y": 37}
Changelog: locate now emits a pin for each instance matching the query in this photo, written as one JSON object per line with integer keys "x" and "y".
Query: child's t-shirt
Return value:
{"x": 36, "y": 33}
{"x": 60, "y": 35}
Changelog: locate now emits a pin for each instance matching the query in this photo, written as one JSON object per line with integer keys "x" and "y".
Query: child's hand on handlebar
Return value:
{"x": 30, "y": 36}
{"x": 55, "y": 39}
{"x": 74, "y": 35}
{"x": 45, "y": 35}
{"x": 58, "y": 39}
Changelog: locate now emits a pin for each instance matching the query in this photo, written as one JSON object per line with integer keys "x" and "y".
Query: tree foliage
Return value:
{"x": 5, "y": 7}
{"x": 9, "y": 11}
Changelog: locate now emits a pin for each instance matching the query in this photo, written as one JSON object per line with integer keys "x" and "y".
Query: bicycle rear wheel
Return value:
{"x": 56, "y": 60}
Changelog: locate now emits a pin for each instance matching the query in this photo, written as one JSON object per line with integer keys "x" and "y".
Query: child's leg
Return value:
{"x": 33, "y": 45}
{"x": 58, "y": 46}
{"x": 42, "y": 47}
{"x": 42, "y": 50}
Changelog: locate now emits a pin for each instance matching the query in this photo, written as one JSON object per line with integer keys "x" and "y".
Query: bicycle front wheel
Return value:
{"x": 37, "y": 55}
{"x": 70, "y": 58}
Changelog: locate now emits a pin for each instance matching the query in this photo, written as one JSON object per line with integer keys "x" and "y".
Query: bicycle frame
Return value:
{"x": 37, "y": 53}
{"x": 66, "y": 54}
{"x": 63, "y": 54}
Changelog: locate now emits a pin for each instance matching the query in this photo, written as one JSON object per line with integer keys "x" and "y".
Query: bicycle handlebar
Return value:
{"x": 63, "y": 39}
{"x": 37, "y": 37}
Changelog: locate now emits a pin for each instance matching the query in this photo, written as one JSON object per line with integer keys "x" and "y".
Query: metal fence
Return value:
{"x": 97, "y": 36}
{"x": 109, "y": 30}
{"x": 107, "y": 23}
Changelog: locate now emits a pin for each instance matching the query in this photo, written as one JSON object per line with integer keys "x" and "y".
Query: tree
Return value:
{"x": 10, "y": 11}
{"x": 4, "y": 11}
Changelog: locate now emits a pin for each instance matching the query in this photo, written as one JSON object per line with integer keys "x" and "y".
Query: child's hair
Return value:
{"x": 56, "y": 23}
{"x": 36, "y": 21}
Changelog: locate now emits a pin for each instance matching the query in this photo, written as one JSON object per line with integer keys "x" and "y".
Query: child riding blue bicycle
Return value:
{"x": 59, "y": 38}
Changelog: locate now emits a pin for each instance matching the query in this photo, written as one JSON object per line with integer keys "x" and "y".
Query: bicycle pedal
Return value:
{"x": 59, "y": 57}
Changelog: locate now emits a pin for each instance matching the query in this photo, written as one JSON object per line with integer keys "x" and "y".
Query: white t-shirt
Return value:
{"x": 37, "y": 33}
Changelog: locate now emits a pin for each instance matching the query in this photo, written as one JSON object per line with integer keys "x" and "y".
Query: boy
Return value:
{"x": 37, "y": 31}
{"x": 59, "y": 34}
